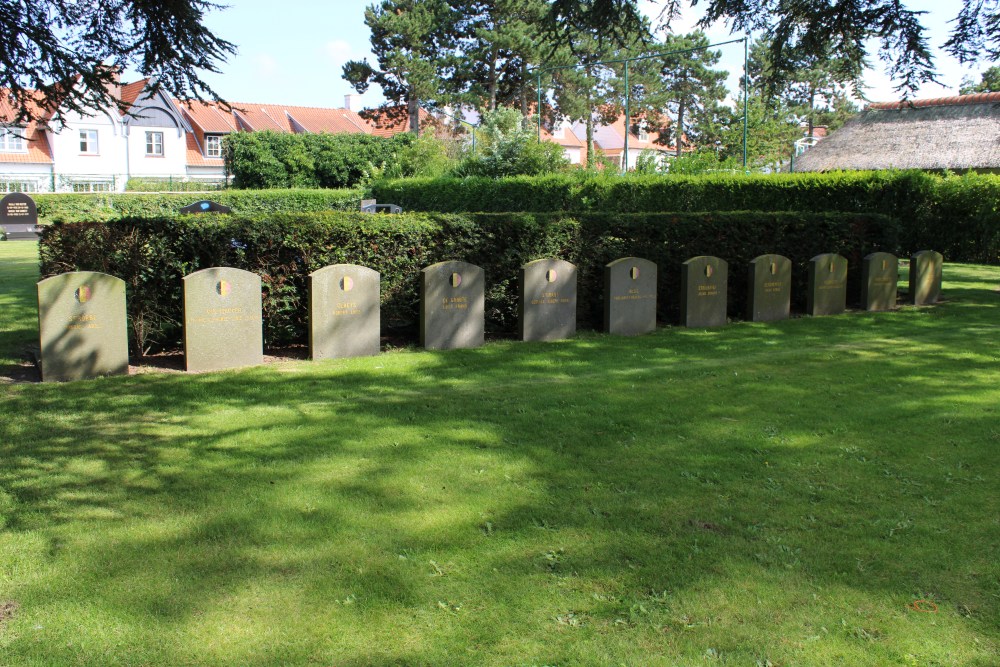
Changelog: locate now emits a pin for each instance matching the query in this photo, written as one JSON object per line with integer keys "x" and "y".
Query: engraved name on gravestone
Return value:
{"x": 82, "y": 326}
{"x": 827, "y": 293}
{"x": 452, "y": 311}
{"x": 704, "y": 281}
{"x": 630, "y": 296}
{"x": 19, "y": 216}
{"x": 343, "y": 312}
{"x": 879, "y": 279}
{"x": 547, "y": 300}
{"x": 206, "y": 206}
{"x": 222, "y": 319}
{"x": 770, "y": 288}
{"x": 925, "y": 277}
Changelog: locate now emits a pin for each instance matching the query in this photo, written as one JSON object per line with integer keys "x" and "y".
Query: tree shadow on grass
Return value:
{"x": 514, "y": 482}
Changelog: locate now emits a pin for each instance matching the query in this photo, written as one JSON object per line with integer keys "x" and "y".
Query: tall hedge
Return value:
{"x": 153, "y": 254}
{"x": 99, "y": 207}
{"x": 956, "y": 215}
{"x": 262, "y": 160}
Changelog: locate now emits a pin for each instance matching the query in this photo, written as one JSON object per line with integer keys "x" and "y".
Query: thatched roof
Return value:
{"x": 954, "y": 133}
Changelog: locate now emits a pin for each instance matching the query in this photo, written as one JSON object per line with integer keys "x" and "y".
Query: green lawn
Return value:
{"x": 774, "y": 494}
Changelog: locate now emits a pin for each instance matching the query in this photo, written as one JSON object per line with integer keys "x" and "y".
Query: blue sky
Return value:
{"x": 292, "y": 51}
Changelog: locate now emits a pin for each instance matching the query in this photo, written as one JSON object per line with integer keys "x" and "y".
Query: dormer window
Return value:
{"x": 213, "y": 145}
{"x": 643, "y": 133}
{"x": 12, "y": 140}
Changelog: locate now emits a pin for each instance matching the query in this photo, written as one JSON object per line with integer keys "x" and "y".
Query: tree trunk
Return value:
{"x": 680, "y": 128}
{"x": 493, "y": 80}
{"x": 413, "y": 111}
{"x": 812, "y": 102}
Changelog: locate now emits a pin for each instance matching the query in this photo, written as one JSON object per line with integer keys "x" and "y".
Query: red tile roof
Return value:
{"x": 196, "y": 156}
{"x": 388, "y": 121}
{"x": 207, "y": 116}
{"x": 39, "y": 151}
{"x": 130, "y": 91}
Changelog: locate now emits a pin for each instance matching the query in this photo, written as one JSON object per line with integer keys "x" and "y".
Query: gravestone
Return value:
{"x": 630, "y": 296}
{"x": 879, "y": 280}
{"x": 827, "y": 293}
{"x": 365, "y": 203}
{"x": 343, "y": 312}
{"x": 770, "y": 288}
{"x": 452, "y": 311}
{"x": 547, "y": 300}
{"x": 19, "y": 217}
{"x": 206, "y": 206}
{"x": 925, "y": 277}
{"x": 704, "y": 281}
{"x": 222, "y": 319}
{"x": 82, "y": 326}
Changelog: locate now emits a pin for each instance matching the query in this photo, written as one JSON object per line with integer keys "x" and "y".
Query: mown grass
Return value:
{"x": 757, "y": 494}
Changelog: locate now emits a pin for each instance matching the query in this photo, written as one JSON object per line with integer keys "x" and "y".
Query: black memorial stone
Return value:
{"x": 879, "y": 281}
{"x": 344, "y": 312}
{"x": 547, "y": 300}
{"x": 827, "y": 293}
{"x": 452, "y": 313}
{"x": 925, "y": 277}
{"x": 630, "y": 296}
{"x": 770, "y": 290}
{"x": 19, "y": 217}
{"x": 206, "y": 206}
{"x": 704, "y": 281}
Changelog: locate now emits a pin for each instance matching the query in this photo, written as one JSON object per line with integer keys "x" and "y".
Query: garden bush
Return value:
{"x": 153, "y": 254}
{"x": 262, "y": 160}
{"x": 99, "y": 207}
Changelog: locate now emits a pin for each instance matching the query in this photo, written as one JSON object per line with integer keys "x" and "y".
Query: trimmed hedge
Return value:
{"x": 100, "y": 207}
{"x": 957, "y": 215}
{"x": 153, "y": 254}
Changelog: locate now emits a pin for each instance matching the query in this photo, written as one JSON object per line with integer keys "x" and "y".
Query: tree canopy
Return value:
{"x": 69, "y": 52}
{"x": 813, "y": 28}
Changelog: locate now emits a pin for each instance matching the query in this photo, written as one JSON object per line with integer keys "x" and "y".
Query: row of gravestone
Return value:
{"x": 82, "y": 320}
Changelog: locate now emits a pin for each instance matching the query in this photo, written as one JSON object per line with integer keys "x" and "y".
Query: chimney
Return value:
{"x": 352, "y": 102}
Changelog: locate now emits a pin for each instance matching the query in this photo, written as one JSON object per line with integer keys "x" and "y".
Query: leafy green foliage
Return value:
{"x": 109, "y": 206}
{"x": 508, "y": 147}
{"x": 262, "y": 160}
{"x": 153, "y": 254}
{"x": 956, "y": 215}
{"x": 989, "y": 82}
{"x": 168, "y": 184}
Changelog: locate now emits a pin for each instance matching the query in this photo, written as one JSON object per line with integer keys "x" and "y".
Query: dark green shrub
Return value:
{"x": 153, "y": 254}
{"x": 109, "y": 206}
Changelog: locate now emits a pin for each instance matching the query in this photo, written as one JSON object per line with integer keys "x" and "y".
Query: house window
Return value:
{"x": 18, "y": 186}
{"x": 154, "y": 144}
{"x": 88, "y": 142}
{"x": 12, "y": 140}
{"x": 92, "y": 186}
{"x": 213, "y": 145}
{"x": 643, "y": 133}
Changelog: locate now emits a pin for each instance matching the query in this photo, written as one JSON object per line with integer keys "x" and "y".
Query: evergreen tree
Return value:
{"x": 70, "y": 52}
{"x": 412, "y": 40}
{"x": 684, "y": 84}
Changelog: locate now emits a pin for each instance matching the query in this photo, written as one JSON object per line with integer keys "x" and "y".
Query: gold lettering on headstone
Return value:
{"x": 708, "y": 290}
{"x": 455, "y": 303}
{"x": 17, "y": 209}
{"x": 83, "y": 321}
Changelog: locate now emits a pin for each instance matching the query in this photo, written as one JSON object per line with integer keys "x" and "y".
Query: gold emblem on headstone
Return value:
{"x": 456, "y": 279}
{"x": 223, "y": 288}
{"x": 634, "y": 273}
{"x": 709, "y": 271}
{"x": 347, "y": 283}
{"x": 551, "y": 275}
{"x": 83, "y": 293}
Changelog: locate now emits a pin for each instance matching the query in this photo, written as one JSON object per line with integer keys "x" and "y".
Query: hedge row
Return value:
{"x": 957, "y": 215}
{"x": 152, "y": 255}
{"x": 110, "y": 206}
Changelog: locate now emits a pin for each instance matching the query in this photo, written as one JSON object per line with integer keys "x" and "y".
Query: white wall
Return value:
{"x": 71, "y": 164}
{"x": 174, "y": 159}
